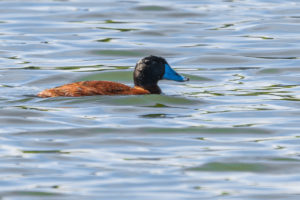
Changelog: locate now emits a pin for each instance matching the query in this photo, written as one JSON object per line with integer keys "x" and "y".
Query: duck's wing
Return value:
{"x": 89, "y": 88}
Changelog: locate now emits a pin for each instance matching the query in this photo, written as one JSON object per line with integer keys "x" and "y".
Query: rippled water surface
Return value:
{"x": 231, "y": 132}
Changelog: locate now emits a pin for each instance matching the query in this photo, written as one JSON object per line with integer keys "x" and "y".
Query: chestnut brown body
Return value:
{"x": 89, "y": 88}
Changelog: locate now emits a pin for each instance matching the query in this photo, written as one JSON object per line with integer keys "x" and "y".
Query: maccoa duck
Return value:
{"x": 148, "y": 71}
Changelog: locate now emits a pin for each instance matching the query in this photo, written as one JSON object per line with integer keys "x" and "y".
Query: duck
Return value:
{"x": 147, "y": 72}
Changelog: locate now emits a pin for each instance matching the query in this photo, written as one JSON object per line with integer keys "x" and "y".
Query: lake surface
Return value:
{"x": 231, "y": 132}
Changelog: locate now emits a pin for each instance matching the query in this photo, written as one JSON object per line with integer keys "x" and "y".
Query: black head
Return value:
{"x": 149, "y": 70}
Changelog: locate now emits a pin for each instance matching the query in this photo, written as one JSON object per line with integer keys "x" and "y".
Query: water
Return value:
{"x": 232, "y": 132}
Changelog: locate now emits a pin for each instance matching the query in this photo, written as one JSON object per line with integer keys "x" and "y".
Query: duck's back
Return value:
{"x": 89, "y": 88}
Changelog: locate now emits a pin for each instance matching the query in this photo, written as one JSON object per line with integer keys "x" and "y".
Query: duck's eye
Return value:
{"x": 150, "y": 62}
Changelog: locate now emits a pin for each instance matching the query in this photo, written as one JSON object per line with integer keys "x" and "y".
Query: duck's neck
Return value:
{"x": 153, "y": 89}
{"x": 146, "y": 82}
